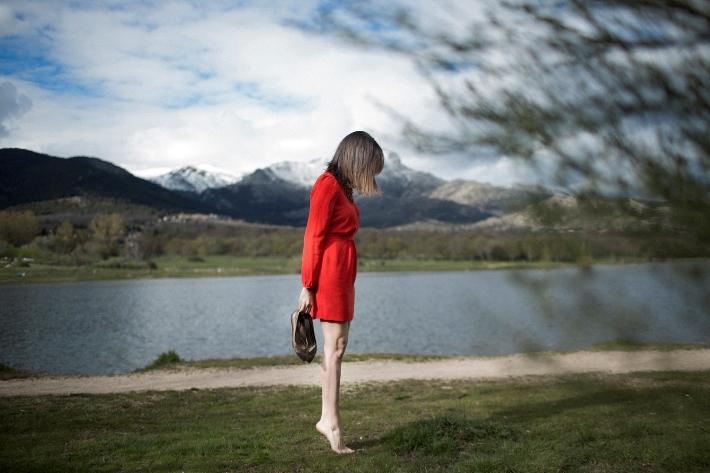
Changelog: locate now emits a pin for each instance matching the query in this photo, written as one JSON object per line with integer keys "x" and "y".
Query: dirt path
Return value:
{"x": 366, "y": 371}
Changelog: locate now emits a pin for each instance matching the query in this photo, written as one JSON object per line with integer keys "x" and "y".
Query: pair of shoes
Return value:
{"x": 303, "y": 337}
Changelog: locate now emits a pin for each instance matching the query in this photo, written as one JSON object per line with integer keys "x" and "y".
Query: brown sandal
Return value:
{"x": 303, "y": 337}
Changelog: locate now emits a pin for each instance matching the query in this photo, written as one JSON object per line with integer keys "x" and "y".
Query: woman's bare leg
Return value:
{"x": 324, "y": 389}
{"x": 335, "y": 335}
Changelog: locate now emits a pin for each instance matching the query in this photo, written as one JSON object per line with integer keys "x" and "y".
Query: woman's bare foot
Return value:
{"x": 322, "y": 427}
{"x": 334, "y": 437}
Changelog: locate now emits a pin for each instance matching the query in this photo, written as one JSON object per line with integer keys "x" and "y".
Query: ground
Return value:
{"x": 374, "y": 370}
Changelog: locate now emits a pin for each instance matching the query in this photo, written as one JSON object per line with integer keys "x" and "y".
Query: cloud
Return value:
{"x": 12, "y": 105}
{"x": 9, "y": 23}
{"x": 166, "y": 84}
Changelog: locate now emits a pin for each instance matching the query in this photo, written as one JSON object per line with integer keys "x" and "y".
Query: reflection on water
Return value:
{"x": 117, "y": 326}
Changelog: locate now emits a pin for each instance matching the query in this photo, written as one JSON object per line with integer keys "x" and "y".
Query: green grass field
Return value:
{"x": 593, "y": 422}
{"x": 171, "y": 266}
{"x": 651, "y": 422}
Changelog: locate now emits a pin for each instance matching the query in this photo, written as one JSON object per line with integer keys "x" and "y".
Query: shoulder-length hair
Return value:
{"x": 356, "y": 162}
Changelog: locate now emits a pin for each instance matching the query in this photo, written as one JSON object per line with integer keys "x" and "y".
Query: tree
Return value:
{"x": 106, "y": 231}
{"x": 65, "y": 240}
{"x": 605, "y": 97}
{"x": 18, "y": 228}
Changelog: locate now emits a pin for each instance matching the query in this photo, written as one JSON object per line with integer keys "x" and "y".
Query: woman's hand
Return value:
{"x": 305, "y": 300}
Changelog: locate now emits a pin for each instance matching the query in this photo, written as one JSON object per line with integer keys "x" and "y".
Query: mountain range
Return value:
{"x": 27, "y": 176}
{"x": 194, "y": 179}
{"x": 275, "y": 194}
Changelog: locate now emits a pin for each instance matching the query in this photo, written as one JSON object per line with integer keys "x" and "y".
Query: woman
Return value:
{"x": 329, "y": 263}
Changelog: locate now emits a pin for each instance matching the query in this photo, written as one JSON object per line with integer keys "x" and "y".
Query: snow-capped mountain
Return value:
{"x": 395, "y": 168}
{"x": 396, "y": 176}
{"x": 278, "y": 193}
{"x": 302, "y": 174}
{"x": 397, "y": 179}
{"x": 195, "y": 179}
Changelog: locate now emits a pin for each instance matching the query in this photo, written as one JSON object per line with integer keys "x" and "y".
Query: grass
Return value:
{"x": 651, "y": 422}
{"x": 276, "y": 360}
{"x": 629, "y": 345}
{"x": 166, "y": 267}
{"x": 8, "y": 372}
{"x": 164, "y": 360}
{"x": 172, "y": 360}
{"x": 174, "y": 266}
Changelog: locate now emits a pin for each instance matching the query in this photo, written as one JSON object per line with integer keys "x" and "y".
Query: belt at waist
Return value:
{"x": 339, "y": 237}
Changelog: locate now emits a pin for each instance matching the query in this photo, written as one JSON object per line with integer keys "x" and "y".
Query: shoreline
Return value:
{"x": 275, "y": 267}
{"x": 175, "y": 363}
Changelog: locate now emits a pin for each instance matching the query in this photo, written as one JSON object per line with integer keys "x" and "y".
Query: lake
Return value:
{"x": 117, "y": 326}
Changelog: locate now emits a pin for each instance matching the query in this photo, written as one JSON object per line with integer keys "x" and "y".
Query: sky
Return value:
{"x": 155, "y": 85}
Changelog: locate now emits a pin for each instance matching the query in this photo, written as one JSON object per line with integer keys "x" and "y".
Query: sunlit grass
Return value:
{"x": 172, "y": 360}
{"x": 623, "y": 423}
{"x": 212, "y": 266}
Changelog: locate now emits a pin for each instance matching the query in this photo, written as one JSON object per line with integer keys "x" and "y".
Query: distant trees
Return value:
{"x": 21, "y": 230}
{"x": 65, "y": 239}
{"x": 18, "y": 228}
{"x": 106, "y": 231}
{"x": 148, "y": 244}
{"x": 108, "y": 240}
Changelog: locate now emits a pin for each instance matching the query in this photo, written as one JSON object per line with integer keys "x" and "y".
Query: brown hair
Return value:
{"x": 356, "y": 162}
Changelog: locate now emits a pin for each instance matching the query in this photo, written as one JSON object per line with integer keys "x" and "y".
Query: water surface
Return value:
{"x": 117, "y": 326}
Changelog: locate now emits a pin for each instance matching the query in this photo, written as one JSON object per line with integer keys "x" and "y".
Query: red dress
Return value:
{"x": 329, "y": 262}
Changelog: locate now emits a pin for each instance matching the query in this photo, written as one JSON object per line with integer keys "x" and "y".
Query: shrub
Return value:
{"x": 106, "y": 231}
{"x": 18, "y": 228}
{"x": 165, "y": 359}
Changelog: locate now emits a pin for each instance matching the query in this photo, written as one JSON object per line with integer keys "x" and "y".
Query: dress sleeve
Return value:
{"x": 322, "y": 201}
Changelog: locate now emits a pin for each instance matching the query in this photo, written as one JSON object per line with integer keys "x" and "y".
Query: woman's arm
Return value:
{"x": 322, "y": 202}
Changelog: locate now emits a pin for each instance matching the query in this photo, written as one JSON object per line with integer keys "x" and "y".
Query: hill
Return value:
{"x": 28, "y": 176}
